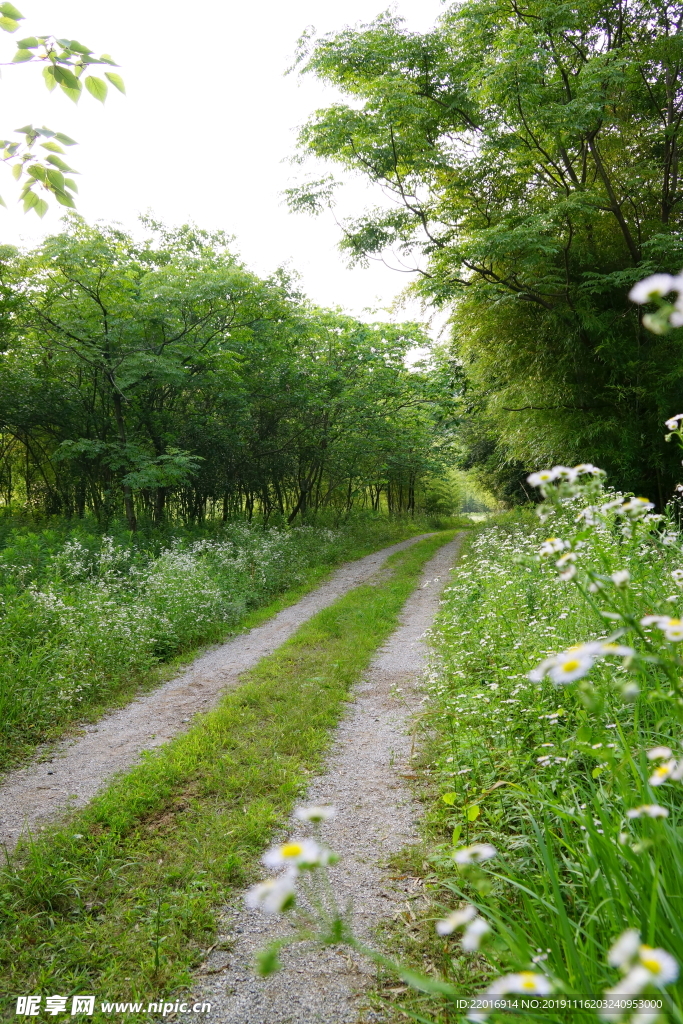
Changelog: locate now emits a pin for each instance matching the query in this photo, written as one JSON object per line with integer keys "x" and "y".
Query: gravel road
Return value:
{"x": 77, "y": 769}
{"x": 376, "y": 816}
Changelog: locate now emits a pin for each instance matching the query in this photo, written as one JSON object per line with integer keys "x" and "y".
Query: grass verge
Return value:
{"x": 23, "y": 726}
{"x": 122, "y": 900}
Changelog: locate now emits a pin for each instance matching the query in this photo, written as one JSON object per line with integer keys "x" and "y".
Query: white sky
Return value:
{"x": 205, "y": 129}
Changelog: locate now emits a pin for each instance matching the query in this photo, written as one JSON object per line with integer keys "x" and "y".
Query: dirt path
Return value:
{"x": 32, "y": 795}
{"x": 376, "y": 816}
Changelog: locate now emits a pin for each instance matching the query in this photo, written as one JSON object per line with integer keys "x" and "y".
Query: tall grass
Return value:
{"x": 565, "y": 757}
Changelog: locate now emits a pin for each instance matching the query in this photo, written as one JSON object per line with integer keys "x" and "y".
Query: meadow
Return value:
{"x": 87, "y": 619}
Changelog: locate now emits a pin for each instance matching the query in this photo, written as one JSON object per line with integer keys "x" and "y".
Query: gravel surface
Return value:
{"x": 32, "y": 795}
{"x": 376, "y": 817}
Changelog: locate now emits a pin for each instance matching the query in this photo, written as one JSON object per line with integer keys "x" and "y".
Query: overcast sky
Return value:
{"x": 205, "y": 130}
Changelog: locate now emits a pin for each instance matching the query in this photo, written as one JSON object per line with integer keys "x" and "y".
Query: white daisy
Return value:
{"x": 663, "y": 773}
{"x": 457, "y": 919}
{"x": 658, "y": 753}
{"x": 298, "y": 853}
{"x": 315, "y": 813}
{"x": 473, "y": 934}
{"x": 475, "y": 854}
{"x": 272, "y": 896}
{"x": 652, "y": 287}
{"x": 625, "y": 949}
{"x": 662, "y": 965}
{"x": 648, "y": 811}
{"x": 525, "y": 982}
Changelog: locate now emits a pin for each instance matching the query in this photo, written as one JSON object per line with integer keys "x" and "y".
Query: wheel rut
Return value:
{"x": 365, "y": 779}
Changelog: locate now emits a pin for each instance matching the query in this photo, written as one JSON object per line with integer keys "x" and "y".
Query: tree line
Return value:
{"x": 163, "y": 378}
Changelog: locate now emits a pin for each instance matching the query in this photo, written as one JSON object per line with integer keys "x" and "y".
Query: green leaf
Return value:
{"x": 16, "y": 171}
{"x": 41, "y": 208}
{"x": 96, "y": 87}
{"x": 60, "y": 164}
{"x": 2, "y": 202}
{"x": 30, "y": 200}
{"x": 52, "y": 146}
{"x": 597, "y": 770}
{"x": 65, "y": 199}
{"x": 65, "y": 77}
{"x": 584, "y": 734}
{"x": 473, "y": 813}
{"x": 70, "y": 183}
{"x": 55, "y": 178}
{"x": 449, "y": 798}
{"x": 21, "y": 55}
{"x": 37, "y": 171}
{"x": 106, "y": 58}
{"x": 29, "y": 43}
{"x": 65, "y": 140}
{"x": 457, "y": 832}
{"x": 77, "y": 47}
{"x": 26, "y": 130}
{"x": 49, "y": 76}
{"x": 116, "y": 81}
{"x": 9, "y": 25}
{"x": 11, "y": 12}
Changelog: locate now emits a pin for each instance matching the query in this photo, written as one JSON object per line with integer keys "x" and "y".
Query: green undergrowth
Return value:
{"x": 573, "y": 782}
{"x": 87, "y": 622}
{"x": 122, "y": 900}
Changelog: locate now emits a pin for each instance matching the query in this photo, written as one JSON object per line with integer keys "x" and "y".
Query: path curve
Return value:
{"x": 376, "y": 817}
{"x": 31, "y": 796}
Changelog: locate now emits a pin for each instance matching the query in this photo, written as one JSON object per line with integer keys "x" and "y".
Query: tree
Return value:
{"x": 530, "y": 154}
{"x": 66, "y": 63}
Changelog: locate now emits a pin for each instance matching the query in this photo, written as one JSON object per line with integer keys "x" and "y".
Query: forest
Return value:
{"x": 340, "y": 654}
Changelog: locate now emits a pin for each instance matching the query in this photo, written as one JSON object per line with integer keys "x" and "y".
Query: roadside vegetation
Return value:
{"x": 87, "y": 620}
{"x": 122, "y": 899}
{"x": 554, "y": 760}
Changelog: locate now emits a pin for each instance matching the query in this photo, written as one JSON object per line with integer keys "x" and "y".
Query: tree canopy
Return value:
{"x": 164, "y": 376}
{"x": 529, "y": 153}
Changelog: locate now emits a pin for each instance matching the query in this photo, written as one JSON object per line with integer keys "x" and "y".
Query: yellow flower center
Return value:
{"x": 662, "y": 770}
{"x": 291, "y": 850}
{"x": 571, "y": 665}
{"x": 528, "y": 980}
{"x": 673, "y": 622}
{"x": 653, "y": 966}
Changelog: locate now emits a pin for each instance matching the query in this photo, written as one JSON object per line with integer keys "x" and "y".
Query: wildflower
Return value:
{"x": 568, "y": 556}
{"x": 455, "y": 920}
{"x": 625, "y": 949}
{"x": 658, "y": 752}
{"x": 673, "y": 423}
{"x": 524, "y": 983}
{"x": 661, "y": 965}
{"x": 315, "y": 813}
{"x": 301, "y": 853}
{"x": 662, "y": 773}
{"x": 272, "y": 896}
{"x": 621, "y": 577}
{"x": 677, "y": 577}
{"x": 636, "y": 507}
{"x": 671, "y": 627}
{"x": 569, "y": 573}
{"x": 474, "y": 933}
{"x": 545, "y": 476}
{"x": 475, "y": 854}
{"x": 653, "y": 287}
{"x": 648, "y": 811}
{"x": 552, "y": 545}
{"x": 587, "y": 468}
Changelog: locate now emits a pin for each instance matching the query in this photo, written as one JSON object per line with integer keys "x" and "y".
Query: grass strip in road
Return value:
{"x": 122, "y": 901}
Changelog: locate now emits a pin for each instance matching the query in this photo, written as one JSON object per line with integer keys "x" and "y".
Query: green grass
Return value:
{"x": 550, "y": 772}
{"x": 44, "y": 654}
{"x": 122, "y": 900}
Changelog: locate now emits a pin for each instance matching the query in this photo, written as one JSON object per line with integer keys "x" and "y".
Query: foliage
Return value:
{"x": 184, "y": 830}
{"x": 530, "y": 157}
{"x": 164, "y": 379}
{"x": 84, "y": 618}
{"x": 66, "y": 63}
{"x": 564, "y": 762}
